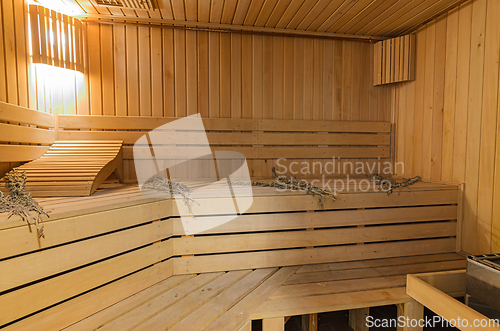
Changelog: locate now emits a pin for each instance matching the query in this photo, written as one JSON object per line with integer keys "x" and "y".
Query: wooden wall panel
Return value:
{"x": 223, "y": 75}
{"x": 452, "y": 113}
{"x": 154, "y": 71}
{"x": 395, "y": 60}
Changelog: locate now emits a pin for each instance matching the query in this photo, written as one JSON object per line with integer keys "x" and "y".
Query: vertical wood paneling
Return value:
{"x": 328, "y": 80}
{"x": 154, "y": 71}
{"x": 430, "y": 47}
{"x": 236, "y": 75}
{"x": 489, "y": 120}
{"x": 22, "y": 61}
{"x": 107, "y": 74}
{"x": 156, "y": 75}
{"x": 246, "y": 76}
{"x": 346, "y": 80}
{"x": 168, "y": 73}
{"x": 458, "y": 56}
{"x": 180, "y": 72}
{"x": 225, "y": 76}
{"x": 474, "y": 124}
{"x": 132, "y": 70}
{"x": 298, "y": 84}
{"x": 289, "y": 81}
{"x": 278, "y": 76}
{"x": 3, "y": 76}
{"x": 9, "y": 40}
{"x": 214, "y": 74}
{"x": 450, "y": 94}
{"x": 257, "y": 77}
{"x": 203, "y": 73}
{"x": 144, "y": 71}
{"x": 94, "y": 54}
{"x": 191, "y": 73}
{"x": 267, "y": 79}
{"x": 438, "y": 100}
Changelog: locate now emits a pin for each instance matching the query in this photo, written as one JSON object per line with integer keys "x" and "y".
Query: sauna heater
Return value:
{"x": 483, "y": 279}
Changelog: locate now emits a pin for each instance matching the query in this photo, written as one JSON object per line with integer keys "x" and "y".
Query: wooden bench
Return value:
{"x": 57, "y": 168}
{"x": 262, "y": 141}
{"x": 437, "y": 291}
{"x": 106, "y": 256}
{"x": 230, "y": 300}
{"x": 73, "y": 168}
{"x": 25, "y": 134}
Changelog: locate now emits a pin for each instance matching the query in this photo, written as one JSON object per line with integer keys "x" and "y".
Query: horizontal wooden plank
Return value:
{"x": 130, "y": 137}
{"x": 334, "y": 275}
{"x": 19, "y": 240}
{"x": 325, "y": 126}
{"x": 339, "y": 286}
{"x": 76, "y": 143}
{"x": 167, "y": 300}
{"x": 87, "y": 225}
{"x": 238, "y": 261}
{"x": 327, "y": 237}
{"x": 323, "y": 152}
{"x": 243, "y": 138}
{"x": 17, "y": 114}
{"x": 330, "y": 302}
{"x": 185, "y": 153}
{"x": 20, "y": 303}
{"x": 106, "y": 315}
{"x": 111, "y": 122}
{"x": 69, "y": 312}
{"x": 267, "y": 152}
{"x": 21, "y": 153}
{"x": 25, "y": 134}
{"x": 202, "y": 317}
{"x": 233, "y": 124}
{"x": 32, "y": 267}
{"x": 222, "y": 124}
{"x": 166, "y": 318}
{"x": 381, "y": 262}
{"x": 338, "y": 218}
{"x": 443, "y": 304}
{"x": 332, "y": 139}
{"x": 302, "y": 202}
{"x": 147, "y": 123}
{"x": 235, "y": 317}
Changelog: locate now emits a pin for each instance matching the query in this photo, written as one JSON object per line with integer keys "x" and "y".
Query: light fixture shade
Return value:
{"x": 56, "y": 39}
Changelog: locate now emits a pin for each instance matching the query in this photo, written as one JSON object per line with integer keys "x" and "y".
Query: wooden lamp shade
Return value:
{"x": 56, "y": 39}
{"x": 394, "y": 60}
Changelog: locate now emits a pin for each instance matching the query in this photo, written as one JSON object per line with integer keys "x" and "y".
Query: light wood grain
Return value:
{"x": 458, "y": 142}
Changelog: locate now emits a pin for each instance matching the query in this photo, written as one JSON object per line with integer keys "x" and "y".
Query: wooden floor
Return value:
{"x": 229, "y": 300}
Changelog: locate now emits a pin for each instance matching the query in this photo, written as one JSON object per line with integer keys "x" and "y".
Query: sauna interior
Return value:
{"x": 247, "y": 164}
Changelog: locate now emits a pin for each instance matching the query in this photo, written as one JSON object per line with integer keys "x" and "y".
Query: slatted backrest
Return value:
{"x": 25, "y": 134}
{"x": 258, "y": 140}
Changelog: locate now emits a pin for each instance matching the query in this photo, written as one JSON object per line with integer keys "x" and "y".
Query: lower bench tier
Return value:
{"x": 119, "y": 243}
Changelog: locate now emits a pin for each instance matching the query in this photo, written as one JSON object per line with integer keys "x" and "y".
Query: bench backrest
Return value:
{"x": 25, "y": 134}
{"x": 262, "y": 141}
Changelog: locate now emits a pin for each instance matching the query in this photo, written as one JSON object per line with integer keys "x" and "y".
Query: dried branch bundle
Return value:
{"x": 19, "y": 202}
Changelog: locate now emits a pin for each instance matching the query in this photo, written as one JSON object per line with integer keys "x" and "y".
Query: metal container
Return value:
{"x": 483, "y": 279}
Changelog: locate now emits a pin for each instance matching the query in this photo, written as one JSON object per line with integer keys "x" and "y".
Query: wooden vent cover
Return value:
{"x": 132, "y": 4}
{"x": 394, "y": 60}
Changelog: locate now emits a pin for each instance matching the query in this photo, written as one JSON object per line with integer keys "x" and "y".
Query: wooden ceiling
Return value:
{"x": 374, "y": 18}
